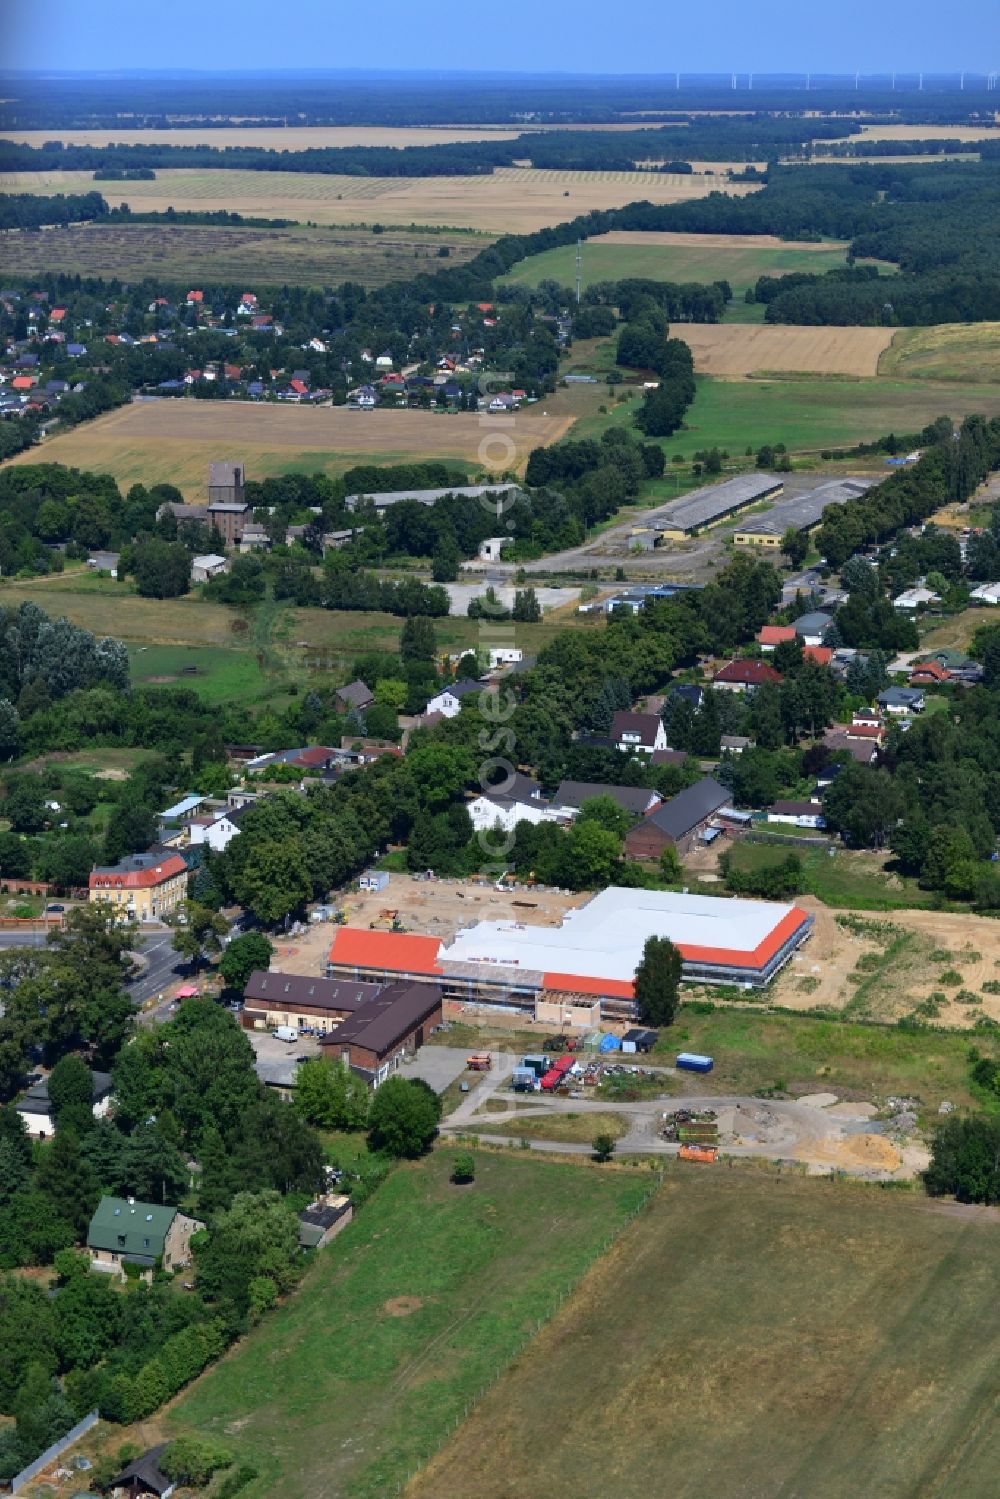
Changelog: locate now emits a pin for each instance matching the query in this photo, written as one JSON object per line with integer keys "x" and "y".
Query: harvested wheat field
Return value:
{"x": 167, "y": 441}
{"x": 738, "y": 350}
{"x": 273, "y": 137}
{"x": 511, "y": 200}
{"x": 929, "y": 131}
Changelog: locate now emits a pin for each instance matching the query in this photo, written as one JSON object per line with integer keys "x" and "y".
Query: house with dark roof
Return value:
{"x": 799, "y": 814}
{"x": 143, "y": 1476}
{"x": 519, "y": 800}
{"x": 738, "y": 676}
{"x": 385, "y": 1029}
{"x": 679, "y": 822}
{"x": 357, "y": 695}
{"x": 571, "y": 796}
{"x": 35, "y": 1106}
{"x": 810, "y": 628}
{"x": 898, "y": 702}
{"x": 449, "y": 700}
{"x": 641, "y": 733}
{"x": 302, "y": 1002}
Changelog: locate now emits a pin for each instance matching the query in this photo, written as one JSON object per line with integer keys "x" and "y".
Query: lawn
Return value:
{"x": 738, "y": 259}
{"x": 219, "y": 674}
{"x": 808, "y": 415}
{"x": 755, "y": 1336}
{"x": 803, "y": 1054}
{"x": 403, "y": 1320}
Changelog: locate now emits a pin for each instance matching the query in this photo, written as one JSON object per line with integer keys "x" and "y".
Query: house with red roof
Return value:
{"x": 738, "y": 676}
{"x": 821, "y": 654}
{"x": 770, "y": 636}
{"x": 142, "y": 887}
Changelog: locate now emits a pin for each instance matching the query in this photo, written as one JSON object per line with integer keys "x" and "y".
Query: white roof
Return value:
{"x": 212, "y": 559}
{"x": 604, "y": 939}
{"x": 986, "y": 591}
{"x": 185, "y": 805}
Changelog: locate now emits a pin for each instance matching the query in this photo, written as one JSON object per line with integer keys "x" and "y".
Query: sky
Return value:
{"x": 570, "y": 36}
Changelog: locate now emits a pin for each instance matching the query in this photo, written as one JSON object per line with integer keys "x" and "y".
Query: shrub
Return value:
{"x": 192, "y": 1461}
{"x": 604, "y": 1147}
{"x": 951, "y": 977}
{"x": 463, "y": 1169}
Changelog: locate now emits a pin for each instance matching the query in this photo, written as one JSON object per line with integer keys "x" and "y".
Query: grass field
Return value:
{"x": 853, "y": 881}
{"x": 952, "y": 351}
{"x": 572, "y": 1128}
{"x": 296, "y": 257}
{"x": 174, "y": 441}
{"x": 802, "y": 1053}
{"x": 405, "y": 1318}
{"x": 956, "y": 633}
{"x": 756, "y": 1337}
{"x": 664, "y": 256}
{"x": 510, "y": 200}
{"x": 807, "y": 415}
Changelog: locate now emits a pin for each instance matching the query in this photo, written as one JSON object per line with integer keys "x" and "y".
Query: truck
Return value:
{"x": 523, "y": 1080}
{"x": 286, "y": 1033}
{"x": 478, "y": 1062}
{"x": 557, "y": 1074}
{"x": 690, "y": 1061}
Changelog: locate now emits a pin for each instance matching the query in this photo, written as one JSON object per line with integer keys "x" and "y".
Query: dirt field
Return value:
{"x": 510, "y": 200}
{"x": 174, "y": 441}
{"x": 950, "y": 351}
{"x": 893, "y": 963}
{"x": 735, "y": 350}
{"x": 930, "y": 132}
{"x": 753, "y": 1336}
{"x": 277, "y": 257}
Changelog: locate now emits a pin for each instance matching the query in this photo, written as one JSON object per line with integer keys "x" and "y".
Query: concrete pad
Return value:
{"x": 437, "y": 1065}
{"x": 818, "y": 1100}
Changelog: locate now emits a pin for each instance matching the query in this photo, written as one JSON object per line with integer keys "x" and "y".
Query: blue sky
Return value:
{"x": 524, "y": 35}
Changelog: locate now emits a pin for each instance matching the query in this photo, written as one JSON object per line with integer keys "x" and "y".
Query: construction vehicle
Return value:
{"x": 478, "y": 1062}
{"x": 387, "y": 919}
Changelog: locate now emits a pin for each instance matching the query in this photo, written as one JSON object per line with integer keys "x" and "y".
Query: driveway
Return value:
{"x": 439, "y": 1066}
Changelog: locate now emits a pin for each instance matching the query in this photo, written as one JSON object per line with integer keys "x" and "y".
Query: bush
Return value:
{"x": 463, "y": 1169}
{"x": 951, "y": 977}
{"x": 604, "y": 1147}
{"x": 192, "y": 1461}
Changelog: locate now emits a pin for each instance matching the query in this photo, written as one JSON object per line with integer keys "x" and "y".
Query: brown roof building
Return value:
{"x": 273, "y": 999}
{"x": 678, "y": 822}
{"x": 394, "y": 1023}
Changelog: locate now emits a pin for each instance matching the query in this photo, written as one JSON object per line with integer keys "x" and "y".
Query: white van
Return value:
{"x": 286, "y": 1033}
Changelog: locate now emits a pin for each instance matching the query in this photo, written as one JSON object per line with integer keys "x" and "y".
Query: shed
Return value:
{"x": 374, "y": 879}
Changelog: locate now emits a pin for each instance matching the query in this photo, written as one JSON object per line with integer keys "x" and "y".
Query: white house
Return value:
{"x": 209, "y": 566}
{"x": 217, "y": 833}
{"x": 35, "y": 1108}
{"x": 986, "y": 593}
{"x": 916, "y": 598}
{"x": 519, "y": 801}
{"x": 798, "y": 814}
{"x": 449, "y": 701}
{"x": 490, "y": 548}
{"x": 638, "y": 731}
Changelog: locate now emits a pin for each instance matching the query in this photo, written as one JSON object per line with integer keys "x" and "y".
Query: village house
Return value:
{"x": 146, "y": 1234}
{"x": 638, "y": 731}
{"x": 739, "y": 676}
{"x": 799, "y": 814}
{"x": 679, "y": 822}
{"x": 449, "y": 700}
{"x": 386, "y": 1029}
{"x": 212, "y": 565}
{"x": 508, "y": 804}
{"x": 35, "y": 1107}
{"x": 571, "y": 796}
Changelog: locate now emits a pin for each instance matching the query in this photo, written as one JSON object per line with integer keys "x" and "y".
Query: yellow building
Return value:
{"x": 143, "y": 887}
{"x": 761, "y": 535}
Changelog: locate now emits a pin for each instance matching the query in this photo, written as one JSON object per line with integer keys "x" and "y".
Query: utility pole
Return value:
{"x": 579, "y": 276}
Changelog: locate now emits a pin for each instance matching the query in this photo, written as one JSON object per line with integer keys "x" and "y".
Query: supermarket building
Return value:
{"x": 591, "y": 958}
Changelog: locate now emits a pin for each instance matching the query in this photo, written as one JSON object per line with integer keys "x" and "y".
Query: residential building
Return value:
{"x": 770, "y": 636}
{"x": 735, "y": 744}
{"x": 643, "y": 732}
{"x": 738, "y": 676}
{"x": 506, "y": 805}
{"x": 449, "y": 700}
{"x": 216, "y": 833}
{"x": 679, "y": 822}
{"x": 35, "y": 1107}
{"x": 124, "y": 1231}
{"x": 899, "y": 702}
{"x": 357, "y": 695}
{"x": 810, "y": 628}
{"x": 797, "y": 813}
{"x": 143, "y": 1477}
{"x": 986, "y": 593}
{"x": 142, "y": 887}
{"x": 916, "y": 598}
{"x": 928, "y": 674}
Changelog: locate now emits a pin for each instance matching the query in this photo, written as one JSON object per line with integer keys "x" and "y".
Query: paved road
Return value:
{"x": 161, "y": 966}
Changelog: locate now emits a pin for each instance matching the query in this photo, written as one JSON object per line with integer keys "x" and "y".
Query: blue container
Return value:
{"x": 690, "y": 1061}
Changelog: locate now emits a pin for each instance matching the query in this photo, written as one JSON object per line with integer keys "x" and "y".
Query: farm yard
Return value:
{"x": 509, "y": 200}
{"x": 734, "y": 351}
{"x": 950, "y": 351}
{"x": 754, "y": 1334}
{"x": 173, "y": 442}
{"x": 297, "y": 256}
{"x": 404, "y": 1319}
{"x": 664, "y": 256}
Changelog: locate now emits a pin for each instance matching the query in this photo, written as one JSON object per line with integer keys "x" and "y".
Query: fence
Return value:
{"x": 51, "y": 1453}
{"x": 800, "y": 840}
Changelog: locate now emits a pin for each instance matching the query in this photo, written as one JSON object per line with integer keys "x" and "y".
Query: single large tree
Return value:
{"x": 657, "y": 980}
{"x": 244, "y": 956}
{"x": 403, "y": 1118}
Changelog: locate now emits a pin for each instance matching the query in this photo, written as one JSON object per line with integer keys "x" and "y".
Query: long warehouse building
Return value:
{"x": 712, "y": 503}
{"x": 594, "y": 952}
{"x": 382, "y": 499}
{"x": 798, "y": 513}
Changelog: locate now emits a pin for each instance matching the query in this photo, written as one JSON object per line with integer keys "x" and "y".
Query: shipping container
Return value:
{"x": 557, "y": 1074}
{"x": 690, "y": 1061}
{"x": 705, "y": 1153}
{"x": 538, "y": 1065}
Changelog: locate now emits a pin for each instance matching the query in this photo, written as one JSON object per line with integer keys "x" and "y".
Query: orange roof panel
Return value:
{"x": 399, "y": 952}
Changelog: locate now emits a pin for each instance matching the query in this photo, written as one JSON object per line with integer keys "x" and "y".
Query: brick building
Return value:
{"x": 392, "y": 1024}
